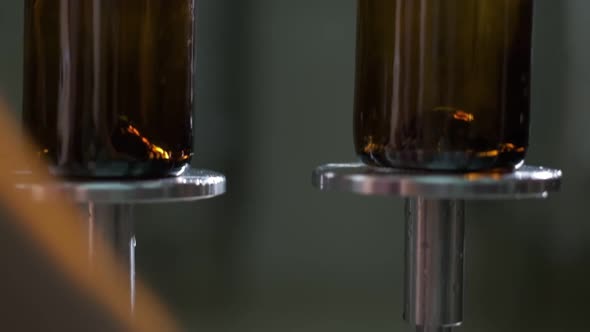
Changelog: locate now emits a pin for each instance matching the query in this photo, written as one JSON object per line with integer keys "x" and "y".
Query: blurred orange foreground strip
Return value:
{"x": 46, "y": 281}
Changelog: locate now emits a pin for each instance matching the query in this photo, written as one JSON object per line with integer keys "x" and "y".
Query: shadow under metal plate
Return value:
{"x": 525, "y": 182}
{"x": 192, "y": 185}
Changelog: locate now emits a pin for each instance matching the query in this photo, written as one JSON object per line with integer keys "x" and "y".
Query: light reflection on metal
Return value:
{"x": 191, "y": 185}
{"x": 525, "y": 182}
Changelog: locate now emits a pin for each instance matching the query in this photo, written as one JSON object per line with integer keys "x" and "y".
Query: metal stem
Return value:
{"x": 434, "y": 264}
{"x": 114, "y": 223}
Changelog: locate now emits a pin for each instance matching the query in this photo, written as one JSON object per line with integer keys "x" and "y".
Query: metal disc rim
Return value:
{"x": 191, "y": 185}
{"x": 525, "y": 182}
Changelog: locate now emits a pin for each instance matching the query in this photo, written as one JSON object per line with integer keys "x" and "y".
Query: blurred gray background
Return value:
{"x": 274, "y": 99}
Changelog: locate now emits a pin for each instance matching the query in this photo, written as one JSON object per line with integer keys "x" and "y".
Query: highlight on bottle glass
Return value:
{"x": 108, "y": 86}
{"x": 443, "y": 85}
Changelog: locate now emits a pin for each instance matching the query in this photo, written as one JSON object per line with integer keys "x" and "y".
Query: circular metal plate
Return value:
{"x": 526, "y": 182}
{"x": 192, "y": 185}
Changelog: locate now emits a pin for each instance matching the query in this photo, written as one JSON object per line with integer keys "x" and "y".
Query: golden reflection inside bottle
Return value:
{"x": 371, "y": 146}
{"x": 460, "y": 115}
{"x": 456, "y": 116}
{"x": 156, "y": 152}
{"x": 463, "y": 116}
{"x": 504, "y": 148}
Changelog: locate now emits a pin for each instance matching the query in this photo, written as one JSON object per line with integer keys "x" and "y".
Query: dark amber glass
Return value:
{"x": 443, "y": 84}
{"x": 109, "y": 85}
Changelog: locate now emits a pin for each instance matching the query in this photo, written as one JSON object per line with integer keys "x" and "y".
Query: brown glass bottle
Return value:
{"x": 109, "y": 85}
{"x": 443, "y": 85}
